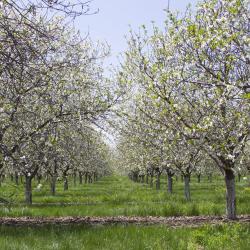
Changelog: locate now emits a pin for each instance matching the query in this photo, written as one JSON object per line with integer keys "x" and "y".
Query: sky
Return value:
{"x": 113, "y": 21}
{"x": 114, "y": 17}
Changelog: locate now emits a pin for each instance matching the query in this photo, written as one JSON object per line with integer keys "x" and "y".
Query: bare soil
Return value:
{"x": 192, "y": 221}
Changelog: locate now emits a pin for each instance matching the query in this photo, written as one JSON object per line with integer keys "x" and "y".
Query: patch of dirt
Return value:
{"x": 192, "y": 221}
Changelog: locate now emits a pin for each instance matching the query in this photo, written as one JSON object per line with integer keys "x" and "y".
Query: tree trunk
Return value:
{"x": 89, "y": 176}
{"x": 80, "y": 177}
{"x": 210, "y": 178}
{"x": 2, "y": 178}
{"x": 11, "y": 177}
{"x": 16, "y": 179}
{"x": 65, "y": 184}
{"x": 1, "y": 173}
{"x": 239, "y": 177}
{"x": 199, "y": 178}
{"x": 86, "y": 178}
{"x": 28, "y": 190}
{"x": 147, "y": 178}
{"x": 53, "y": 185}
{"x": 74, "y": 176}
{"x": 182, "y": 178}
{"x": 230, "y": 195}
{"x": 170, "y": 183}
{"x": 142, "y": 178}
{"x": 136, "y": 177}
{"x": 187, "y": 187}
{"x": 158, "y": 180}
{"x": 151, "y": 180}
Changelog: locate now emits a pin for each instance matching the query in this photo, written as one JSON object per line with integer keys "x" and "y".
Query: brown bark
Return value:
{"x": 28, "y": 190}
{"x": 230, "y": 194}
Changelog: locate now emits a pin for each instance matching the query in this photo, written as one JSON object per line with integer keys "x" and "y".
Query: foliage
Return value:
{"x": 191, "y": 82}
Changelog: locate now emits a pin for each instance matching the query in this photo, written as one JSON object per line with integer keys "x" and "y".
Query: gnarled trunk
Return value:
{"x": 28, "y": 190}
{"x": 187, "y": 187}
{"x": 230, "y": 195}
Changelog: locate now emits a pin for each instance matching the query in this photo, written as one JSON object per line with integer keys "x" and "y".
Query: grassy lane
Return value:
{"x": 116, "y": 195}
{"x": 228, "y": 237}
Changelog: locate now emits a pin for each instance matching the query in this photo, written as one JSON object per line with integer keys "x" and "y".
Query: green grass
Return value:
{"x": 117, "y": 195}
{"x": 120, "y": 237}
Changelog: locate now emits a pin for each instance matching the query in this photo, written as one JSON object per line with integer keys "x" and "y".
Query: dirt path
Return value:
{"x": 193, "y": 221}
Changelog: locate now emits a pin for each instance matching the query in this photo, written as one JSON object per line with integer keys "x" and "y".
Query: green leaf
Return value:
{"x": 191, "y": 29}
{"x": 246, "y": 96}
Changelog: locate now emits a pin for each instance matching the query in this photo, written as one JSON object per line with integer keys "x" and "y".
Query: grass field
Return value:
{"x": 224, "y": 237}
{"x": 117, "y": 195}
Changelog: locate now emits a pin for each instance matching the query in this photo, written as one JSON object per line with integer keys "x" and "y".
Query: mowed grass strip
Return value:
{"x": 235, "y": 236}
{"x": 117, "y": 195}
